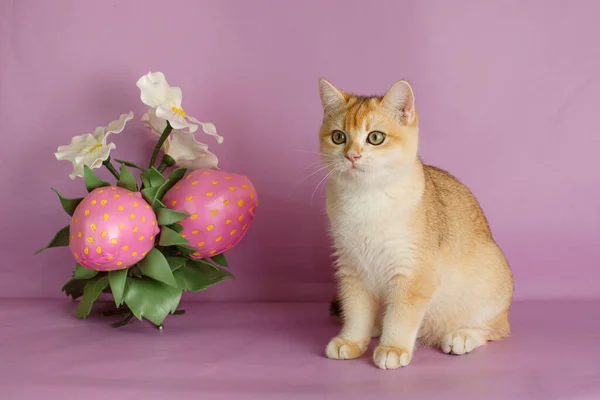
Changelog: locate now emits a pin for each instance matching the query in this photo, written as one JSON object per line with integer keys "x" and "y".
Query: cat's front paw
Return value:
{"x": 389, "y": 357}
{"x": 342, "y": 349}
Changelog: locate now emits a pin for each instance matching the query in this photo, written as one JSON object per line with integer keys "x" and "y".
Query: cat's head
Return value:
{"x": 368, "y": 138}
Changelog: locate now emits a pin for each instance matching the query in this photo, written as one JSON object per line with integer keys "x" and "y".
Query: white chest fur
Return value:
{"x": 372, "y": 235}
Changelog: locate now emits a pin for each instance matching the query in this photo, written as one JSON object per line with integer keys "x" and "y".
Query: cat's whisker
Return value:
{"x": 325, "y": 178}
{"x": 312, "y": 174}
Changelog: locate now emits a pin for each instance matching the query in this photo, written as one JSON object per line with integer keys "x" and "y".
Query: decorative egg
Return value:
{"x": 221, "y": 206}
{"x": 112, "y": 228}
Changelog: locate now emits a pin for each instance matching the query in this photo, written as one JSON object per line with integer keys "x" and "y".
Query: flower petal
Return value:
{"x": 174, "y": 96}
{"x": 150, "y": 120}
{"x": 208, "y": 128}
{"x": 176, "y": 120}
{"x": 118, "y": 125}
{"x": 205, "y": 161}
{"x": 78, "y": 143}
{"x": 153, "y": 89}
{"x": 188, "y": 152}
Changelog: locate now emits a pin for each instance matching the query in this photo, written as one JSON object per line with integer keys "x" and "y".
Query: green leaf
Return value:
{"x": 127, "y": 180}
{"x": 166, "y": 216}
{"x": 195, "y": 277}
{"x": 135, "y": 271}
{"x": 156, "y": 266}
{"x": 185, "y": 250}
{"x": 69, "y": 205}
{"x": 150, "y": 194}
{"x": 177, "y": 174}
{"x": 130, "y": 164}
{"x": 61, "y": 239}
{"x": 176, "y": 262}
{"x": 151, "y": 299}
{"x": 158, "y": 205}
{"x": 152, "y": 177}
{"x": 91, "y": 179}
{"x": 91, "y": 291}
{"x": 74, "y": 288}
{"x": 169, "y": 237}
{"x": 176, "y": 227}
{"x": 117, "y": 280}
{"x": 220, "y": 259}
{"x": 82, "y": 272}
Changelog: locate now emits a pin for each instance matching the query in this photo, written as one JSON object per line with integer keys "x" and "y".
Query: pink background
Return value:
{"x": 507, "y": 92}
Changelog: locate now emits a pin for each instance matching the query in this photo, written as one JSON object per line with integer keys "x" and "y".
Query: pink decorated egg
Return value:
{"x": 112, "y": 228}
{"x": 221, "y": 206}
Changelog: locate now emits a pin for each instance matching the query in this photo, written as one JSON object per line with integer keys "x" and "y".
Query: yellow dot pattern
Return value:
{"x": 103, "y": 202}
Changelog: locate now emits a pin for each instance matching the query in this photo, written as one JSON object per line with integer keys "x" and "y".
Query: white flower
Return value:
{"x": 166, "y": 100}
{"x": 182, "y": 146}
{"x": 91, "y": 149}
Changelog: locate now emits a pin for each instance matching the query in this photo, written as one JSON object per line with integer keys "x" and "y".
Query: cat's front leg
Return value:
{"x": 359, "y": 312}
{"x": 406, "y": 303}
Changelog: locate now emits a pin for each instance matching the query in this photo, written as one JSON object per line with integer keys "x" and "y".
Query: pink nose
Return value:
{"x": 352, "y": 157}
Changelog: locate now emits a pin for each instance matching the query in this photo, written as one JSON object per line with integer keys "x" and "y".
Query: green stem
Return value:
{"x": 166, "y": 162}
{"x": 159, "y": 144}
{"x": 118, "y": 311}
{"x": 111, "y": 168}
{"x": 124, "y": 322}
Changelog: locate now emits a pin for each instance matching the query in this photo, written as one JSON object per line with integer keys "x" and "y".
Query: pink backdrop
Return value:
{"x": 507, "y": 93}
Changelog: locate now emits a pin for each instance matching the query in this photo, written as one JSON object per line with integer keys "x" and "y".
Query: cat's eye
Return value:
{"x": 376, "y": 138}
{"x": 338, "y": 137}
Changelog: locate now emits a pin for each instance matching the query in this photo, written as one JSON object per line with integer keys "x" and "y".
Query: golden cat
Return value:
{"x": 415, "y": 258}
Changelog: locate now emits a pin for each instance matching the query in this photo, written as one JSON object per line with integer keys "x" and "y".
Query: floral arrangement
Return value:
{"x": 146, "y": 240}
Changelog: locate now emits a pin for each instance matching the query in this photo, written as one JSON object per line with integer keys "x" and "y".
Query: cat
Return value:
{"x": 415, "y": 260}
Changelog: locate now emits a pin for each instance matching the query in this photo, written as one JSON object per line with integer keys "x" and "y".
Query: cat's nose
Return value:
{"x": 352, "y": 157}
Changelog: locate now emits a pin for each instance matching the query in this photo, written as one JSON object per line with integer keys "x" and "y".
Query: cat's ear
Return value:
{"x": 400, "y": 101}
{"x": 332, "y": 98}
